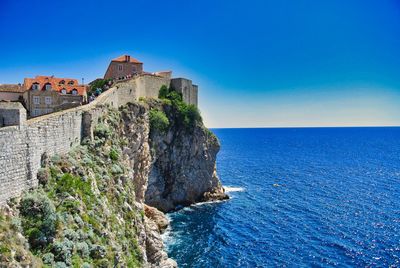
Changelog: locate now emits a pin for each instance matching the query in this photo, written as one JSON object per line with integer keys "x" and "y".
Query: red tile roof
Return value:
{"x": 12, "y": 88}
{"x": 57, "y": 84}
{"x": 126, "y": 58}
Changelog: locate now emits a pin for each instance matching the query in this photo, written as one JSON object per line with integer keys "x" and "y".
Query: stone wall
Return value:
{"x": 186, "y": 88}
{"x": 12, "y": 113}
{"x": 22, "y": 147}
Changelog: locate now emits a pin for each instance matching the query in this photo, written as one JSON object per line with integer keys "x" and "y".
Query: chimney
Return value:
{"x": 127, "y": 58}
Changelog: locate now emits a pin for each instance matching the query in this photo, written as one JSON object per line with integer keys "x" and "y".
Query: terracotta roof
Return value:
{"x": 57, "y": 84}
{"x": 12, "y": 88}
{"x": 126, "y": 58}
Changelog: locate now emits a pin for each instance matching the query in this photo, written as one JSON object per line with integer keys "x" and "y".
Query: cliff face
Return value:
{"x": 184, "y": 168}
{"x": 90, "y": 205}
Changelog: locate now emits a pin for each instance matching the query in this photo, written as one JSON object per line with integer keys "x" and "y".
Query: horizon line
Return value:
{"x": 279, "y": 127}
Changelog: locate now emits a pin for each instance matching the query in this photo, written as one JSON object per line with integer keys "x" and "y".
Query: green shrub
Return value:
{"x": 73, "y": 185}
{"x": 63, "y": 251}
{"x": 174, "y": 96}
{"x": 102, "y": 131}
{"x": 83, "y": 249}
{"x": 116, "y": 169}
{"x": 97, "y": 252}
{"x": 98, "y": 83}
{"x": 48, "y": 258}
{"x": 114, "y": 155}
{"x": 158, "y": 120}
{"x": 164, "y": 90}
{"x": 188, "y": 114}
{"x": 38, "y": 219}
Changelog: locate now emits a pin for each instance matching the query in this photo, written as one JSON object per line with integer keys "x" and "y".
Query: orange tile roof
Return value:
{"x": 57, "y": 84}
{"x": 12, "y": 88}
{"x": 124, "y": 58}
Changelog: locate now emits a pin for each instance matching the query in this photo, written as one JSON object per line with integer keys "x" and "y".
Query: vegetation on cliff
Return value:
{"x": 84, "y": 212}
{"x": 186, "y": 114}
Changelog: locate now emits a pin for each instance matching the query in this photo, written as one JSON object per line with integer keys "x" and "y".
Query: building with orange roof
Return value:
{"x": 47, "y": 94}
{"x": 123, "y": 67}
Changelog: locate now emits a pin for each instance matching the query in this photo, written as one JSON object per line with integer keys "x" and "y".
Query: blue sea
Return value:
{"x": 300, "y": 197}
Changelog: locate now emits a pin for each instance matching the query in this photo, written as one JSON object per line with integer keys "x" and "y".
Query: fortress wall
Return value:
{"x": 13, "y": 162}
{"x": 22, "y": 147}
{"x": 149, "y": 86}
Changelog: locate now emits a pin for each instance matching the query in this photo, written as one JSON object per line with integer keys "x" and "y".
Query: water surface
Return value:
{"x": 300, "y": 197}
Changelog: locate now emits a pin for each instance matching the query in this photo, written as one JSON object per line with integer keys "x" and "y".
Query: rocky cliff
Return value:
{"x": 183, "y": 171}
{"x": 90, "y": 206}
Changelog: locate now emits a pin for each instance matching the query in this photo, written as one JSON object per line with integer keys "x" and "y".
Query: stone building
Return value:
{"x": 11, "y": 92}
{"x": 47, "y": 94}
{"x": 123, "y": 67}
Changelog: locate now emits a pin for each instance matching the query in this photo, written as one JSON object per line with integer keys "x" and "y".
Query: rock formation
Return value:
{"x": 184, "y": 168}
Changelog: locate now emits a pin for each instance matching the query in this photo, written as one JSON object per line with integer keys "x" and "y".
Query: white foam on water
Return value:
{"x": 229, "y": 189}
{"x": 207, "y": 202}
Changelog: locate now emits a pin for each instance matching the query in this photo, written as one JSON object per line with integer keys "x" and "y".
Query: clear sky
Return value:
{"x": 258, "y": 63}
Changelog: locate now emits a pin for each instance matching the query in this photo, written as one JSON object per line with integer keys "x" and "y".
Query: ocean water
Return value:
{"x": 316, "y": 197}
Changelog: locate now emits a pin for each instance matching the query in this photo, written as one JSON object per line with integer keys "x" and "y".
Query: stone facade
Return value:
{"x": 123, "y": 67}
{"x": 187, "y": 89}
{"x": 12, "y": 114}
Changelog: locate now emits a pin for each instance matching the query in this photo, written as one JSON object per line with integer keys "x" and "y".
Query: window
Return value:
{"x": 35, "y": 86}
{"x": 62, "y": 82}
{"x": 47, "y": 100}
{"x": 134, "y": 69}
{"x": 74, "y": 92}
{"x": 120, "y": 67}
{"x": 63, "y": 91}
{"x": 47, "y": 111}
{"x": 36, "y": 112}
{"x": 70, "y": 82}
{"x": 48, "y": 86}
{"x": 36, "y": 100}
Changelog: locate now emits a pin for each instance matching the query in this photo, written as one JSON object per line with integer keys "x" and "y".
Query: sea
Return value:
{"x": 300, "y": 197}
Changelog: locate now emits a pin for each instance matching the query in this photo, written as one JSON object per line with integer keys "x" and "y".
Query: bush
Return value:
{"x": 48, "y": 258}
{"x": 43, "y": 176}
{"x": 83, "y": 249}
{"x": 38, "y": 219}
{"x": 99, "y": 83}
{"x": 63, "y": 250}
{"x": 158, "y": 120}
{"x": 102, "y": 131}
{"x": 73, "y": 185}
{"x": 116, "y": 169}
{"x": 97, "y": 252}
{"x": 191, "y": 115}
{"x": 188, "y": 114}
{"x": 114, "y": 155}
{"x": 164, "y": 90}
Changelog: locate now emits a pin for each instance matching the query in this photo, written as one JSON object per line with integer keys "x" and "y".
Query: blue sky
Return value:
{"x": 258, "y": 63}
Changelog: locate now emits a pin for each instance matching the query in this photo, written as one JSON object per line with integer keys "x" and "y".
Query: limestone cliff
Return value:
{"x": 90, "y": 206}
{"x": 184, "y": 162}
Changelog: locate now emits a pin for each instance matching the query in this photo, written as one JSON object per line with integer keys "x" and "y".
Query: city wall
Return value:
{"x": 22, "y": 146}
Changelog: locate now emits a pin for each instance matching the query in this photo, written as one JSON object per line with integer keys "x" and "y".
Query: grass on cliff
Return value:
{"x": 82, "y": 215}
